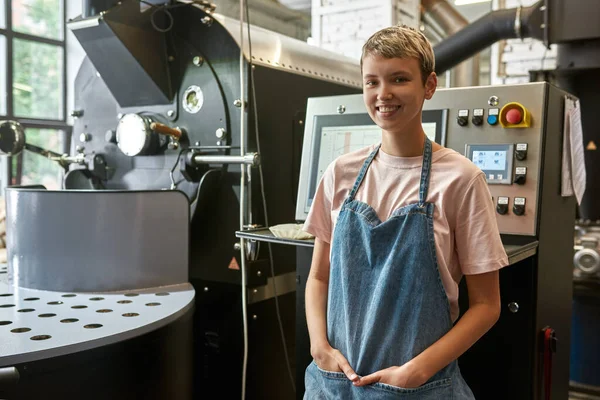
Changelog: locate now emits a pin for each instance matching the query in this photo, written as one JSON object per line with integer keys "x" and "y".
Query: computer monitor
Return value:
{"x": 338, "y": 125}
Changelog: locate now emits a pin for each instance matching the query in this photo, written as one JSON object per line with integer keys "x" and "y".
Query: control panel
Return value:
{"x": 500, "y": 129}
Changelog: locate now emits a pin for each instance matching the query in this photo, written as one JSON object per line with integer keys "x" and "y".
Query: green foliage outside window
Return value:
{"x": 2, "y": 74}
{"x": 37, "y": 80}
{"x": 38, "y": 17}
{"x": 37, "y": 86}
{"x": 38, "y": 169}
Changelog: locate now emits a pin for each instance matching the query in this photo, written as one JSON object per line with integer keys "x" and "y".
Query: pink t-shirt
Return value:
{"x": 466, "y": 233}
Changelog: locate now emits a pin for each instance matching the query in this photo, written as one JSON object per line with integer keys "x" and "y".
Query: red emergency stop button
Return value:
{"x": 514, "y": 115}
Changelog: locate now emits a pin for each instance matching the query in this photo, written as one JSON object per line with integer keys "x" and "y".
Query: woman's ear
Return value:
{"x": 430, "y": 85}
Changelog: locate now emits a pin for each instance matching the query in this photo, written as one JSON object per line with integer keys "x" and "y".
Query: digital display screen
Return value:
{"x": 339, "y": 140}
{"x": 329, "y": 136}
{"x": 495, "y": 160}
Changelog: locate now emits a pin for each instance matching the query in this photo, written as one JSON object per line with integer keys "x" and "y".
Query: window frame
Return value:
{"x": 58, "y": 124}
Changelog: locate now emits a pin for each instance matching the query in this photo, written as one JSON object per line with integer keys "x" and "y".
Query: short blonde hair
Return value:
{"x": 401, "y": 42}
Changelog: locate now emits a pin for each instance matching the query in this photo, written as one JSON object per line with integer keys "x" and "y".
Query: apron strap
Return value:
{"x": 425, "y": 172}
{"x": 362, "y": 173}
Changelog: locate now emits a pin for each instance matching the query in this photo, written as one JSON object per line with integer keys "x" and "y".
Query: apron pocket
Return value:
{"x": 332, "y": 375}
{"x": 441, "y": 389}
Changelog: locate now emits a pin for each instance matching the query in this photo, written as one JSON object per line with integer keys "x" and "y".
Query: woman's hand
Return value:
{"x": 329, "y": 359}
{"x": 405, "y": 376}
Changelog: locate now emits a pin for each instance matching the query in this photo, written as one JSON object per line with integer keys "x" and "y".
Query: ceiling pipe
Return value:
{"x": 443, "y": 17}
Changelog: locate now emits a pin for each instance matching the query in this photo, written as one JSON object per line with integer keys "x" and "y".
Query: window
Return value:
{"x": 33, "y": 85}
{"x": 2, "y": 74}
{"x": 42, "y": 18}
{"x": 38, "y": 169}
{"x": 2, "y": 14}
{"x": 37, "y": 80}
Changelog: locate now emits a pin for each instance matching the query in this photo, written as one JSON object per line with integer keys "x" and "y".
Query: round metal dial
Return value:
{"x": 133, "y": 135}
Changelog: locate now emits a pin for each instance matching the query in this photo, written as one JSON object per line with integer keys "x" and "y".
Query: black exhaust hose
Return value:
{"x": 487, "y": 30}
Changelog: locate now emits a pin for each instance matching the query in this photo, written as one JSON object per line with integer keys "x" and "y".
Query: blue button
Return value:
{"x": 492, "y": 119}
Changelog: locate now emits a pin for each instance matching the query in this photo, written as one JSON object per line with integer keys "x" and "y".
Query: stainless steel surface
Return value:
{"x": 448, "y": 21}
{"x": 38, "y": 324}
{"x": 265, "y": 235}
{"x": 533, "y": 97}
{"x": 248, "y": 158}
{"x": 518, "y": 253}
{"x": 513, "y": 307}
{"x": 89, "y": 241}
{"x": 12, "y": 138}
{"x": 285, "y": 283}
{"x": 285, "y": 53}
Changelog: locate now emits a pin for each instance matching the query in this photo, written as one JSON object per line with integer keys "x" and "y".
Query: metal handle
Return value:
{"x": 252, "y": 159}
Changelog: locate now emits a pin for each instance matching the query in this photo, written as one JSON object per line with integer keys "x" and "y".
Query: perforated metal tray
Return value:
{"x": 38, "y": 324}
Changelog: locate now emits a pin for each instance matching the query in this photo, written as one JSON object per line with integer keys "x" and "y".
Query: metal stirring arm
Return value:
{"x": 63, "y": 159}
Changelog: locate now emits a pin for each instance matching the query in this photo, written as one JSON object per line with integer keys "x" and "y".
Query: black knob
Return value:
{"x": 520, "y": 179}
{"x": 477, "y": 120}
{"x": 521, "y": 155}
{"x": 462, "y": 121}
{"x": 502, "y": 208}
{"x": 77, "y": 113}
{"x": 518, "y": 210}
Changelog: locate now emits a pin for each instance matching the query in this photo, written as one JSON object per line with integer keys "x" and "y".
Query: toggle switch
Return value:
{"x": 520, "y": 175}
{"x": 519, "y": 206}
{"x": 477, "y": 116}
{"x": 463, "y": 117}
{"x": 521, "y": 152}
{"x": 502, "y": 206}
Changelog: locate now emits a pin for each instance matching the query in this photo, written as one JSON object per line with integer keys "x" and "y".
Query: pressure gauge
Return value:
{"x": 134, "y": 136}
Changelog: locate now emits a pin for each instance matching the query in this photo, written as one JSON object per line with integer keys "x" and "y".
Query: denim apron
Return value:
{"x": 386, "y": 301}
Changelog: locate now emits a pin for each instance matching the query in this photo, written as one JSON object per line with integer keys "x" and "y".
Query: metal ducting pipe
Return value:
{"x": 521, "y": 22}
{"x": 90, "y": 8}
{"x": 442, "y": 16}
